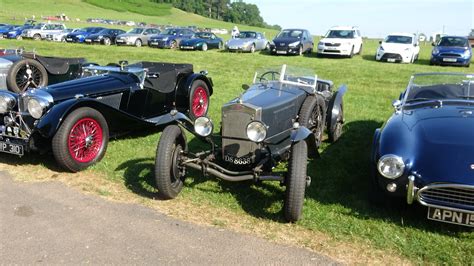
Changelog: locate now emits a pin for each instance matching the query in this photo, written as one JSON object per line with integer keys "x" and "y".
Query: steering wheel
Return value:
{"x": 273, "y": 73}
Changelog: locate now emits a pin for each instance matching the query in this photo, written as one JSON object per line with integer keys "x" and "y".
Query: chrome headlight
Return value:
{"x": 435, "y": 51}
{"x": 36, "y": 107}
{"x": 256, "y": 131}
{"x": 294, "y": 44}
{"x": 391, "y": 166}
{"x": 203, "y": 126}
{"x": 7, "y": 102}
{"x": 165, "y": 39}
{"x": 467, "y": 53}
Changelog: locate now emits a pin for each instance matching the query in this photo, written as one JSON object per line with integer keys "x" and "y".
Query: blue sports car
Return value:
{"x": 425, "y": 152}
{"x": 6, "y": 29}
{"x": 170, "y": 38}
{"x": 202, "y": 41}
{"x": 81, "y": 35}
{"x": 452, "y": 50}
{"x": 16, "y": 32}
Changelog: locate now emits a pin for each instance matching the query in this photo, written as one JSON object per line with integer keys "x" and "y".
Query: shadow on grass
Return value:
{"x": 368, "y": 57}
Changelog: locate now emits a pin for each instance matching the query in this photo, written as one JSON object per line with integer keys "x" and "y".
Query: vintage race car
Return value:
{"x": 21, "y": 70}
{"x": 425, "y": 151}
{"x": 76, "y": 118}
{"x": 281, "y": 117}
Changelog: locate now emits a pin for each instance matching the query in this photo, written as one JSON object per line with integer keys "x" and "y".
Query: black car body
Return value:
{"x": 21, "y": 70}
{"x": 292, "y": 41}
{"x": 278, "y": 118}
{"x": 76, "y": 118}
{"x": 425, "y": 151}
{"x": 105, "y": 36}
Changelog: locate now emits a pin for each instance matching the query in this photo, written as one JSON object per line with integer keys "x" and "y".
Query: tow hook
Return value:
{"x": 308, "y": 181}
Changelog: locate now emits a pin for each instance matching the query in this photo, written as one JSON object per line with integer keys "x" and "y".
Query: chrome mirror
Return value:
{"x": 397, "y": 104}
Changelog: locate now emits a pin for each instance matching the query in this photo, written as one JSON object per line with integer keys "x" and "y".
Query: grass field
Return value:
{"x": 336, "y": 207}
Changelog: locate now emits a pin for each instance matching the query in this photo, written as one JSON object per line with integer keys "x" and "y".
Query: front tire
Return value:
{"x": 252, "y": 49}
{"x": 169, "y": 175}
{"x": 174, "y": 44}
{"x": 138, "y": 43}
{"x": 25, "y": 74}
{"x": 81, "y": 140}
{"x": 198, "y": 99}
{"x": 352, "y": 52}
{"x": 204, "y": 47}
{"x": 296, "y": 181}
{"x": 107, "y": 41}
{"x": 300, "y": 51}
{"x": 37, "y": 37}
{"x": 312, "y": 116}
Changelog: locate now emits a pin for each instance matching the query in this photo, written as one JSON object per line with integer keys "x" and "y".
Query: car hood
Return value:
{"x": 238, "y": 42}
{"x": 285, "y": 41}
{"x": 395, "y": 47}
{"x": 450, "y": 49}
{"x": 193, "y": 41}
{"x": 162, "y": 36}
{"x": 436, "y": 143}
{"x": 336, "y": 40}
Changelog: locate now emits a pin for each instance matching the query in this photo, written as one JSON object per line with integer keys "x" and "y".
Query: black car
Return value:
{"x": 21, "y": 70}
{"x": 292, "y": 41}
{"x": 281, "y": 117}
{"x": 76, "y": 118}
{"x": 105, "y": 36}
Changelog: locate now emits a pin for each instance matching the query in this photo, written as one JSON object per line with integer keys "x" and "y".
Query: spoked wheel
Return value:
{"x": 296, "y": 181}
{"x": 336, "y": 131}
{"x": 169, "y": 173}
{"x": 267, "y": 46}
{"x": 37, "y": 37}
{"x": 25, "y": 74}
{"x": 198, "y": 99}
{"x": 313, "y": 116}
{"x": 81, "y": 140}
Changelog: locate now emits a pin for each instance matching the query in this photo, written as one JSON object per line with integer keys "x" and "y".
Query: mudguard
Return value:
{"x": 375, "y": 145}
{"x": 186, "y": 87}
{"x": 301, "y": 133}
{"x": 334, "y": 107}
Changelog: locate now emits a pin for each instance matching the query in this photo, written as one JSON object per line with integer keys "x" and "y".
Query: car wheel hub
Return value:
{"x": 199, "y": 102}
{"x": 85, "y": 140}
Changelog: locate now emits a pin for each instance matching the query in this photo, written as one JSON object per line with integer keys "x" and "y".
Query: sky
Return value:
{"x": 375, "y": 18}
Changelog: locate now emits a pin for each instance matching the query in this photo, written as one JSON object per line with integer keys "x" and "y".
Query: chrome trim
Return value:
{"x": 411, "y": 189}
{"x": 422, "y": 202}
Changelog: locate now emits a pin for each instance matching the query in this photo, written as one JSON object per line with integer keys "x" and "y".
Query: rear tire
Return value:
{"x": 198, "y": 99}
{"x": 24, "y": 73}
{"x": 252, "y": 49}
{"x": 169, "y": 175}
{"x": 296, "y": 181}
{"x": 107, "y": 41}
{"x": 37, "y": 37}
{"x": 312, "y": 115}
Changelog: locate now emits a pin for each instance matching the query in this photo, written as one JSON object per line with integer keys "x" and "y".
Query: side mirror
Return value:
{"x": 380, "y": 42}
{"x": 433, "y": 44}
{"x": 397, "y": 104}
{"x": 245, "y": 87}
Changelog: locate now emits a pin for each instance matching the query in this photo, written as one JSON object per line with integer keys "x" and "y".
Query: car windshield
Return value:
{"x": 440, "y": 86}
{"x": 302, "y": 77}
{"x": 39, "y": 26}
{"x": 104, "y": 31}
{"x": 398, "y": 39}
{"x": 344, "y": 34}
{"x": 290, "y": 34}
{"x": 453, "y": 42}
{"x": 202, "y": 35}
{"x": 170, "y": 32}
{"x": 247, "y": 35}
{"x": 136, "y": 31}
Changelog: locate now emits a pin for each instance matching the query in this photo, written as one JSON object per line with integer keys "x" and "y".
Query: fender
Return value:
{"x": 375, "y": 145}
{"x": 301, "y": 133}
{"x": 185, "y": 85}
{"x": 334, "y": 107}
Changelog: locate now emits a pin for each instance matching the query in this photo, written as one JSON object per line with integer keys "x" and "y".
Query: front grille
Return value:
{"x": 332, "y": 51}
{"x": 450, "y": 55}
{"x": 332, "y": 44}
{"x": 449, "y": 195}
{"x": 391, "y": 56}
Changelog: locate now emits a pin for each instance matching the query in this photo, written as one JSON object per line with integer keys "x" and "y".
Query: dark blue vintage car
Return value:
{"x": 76, "y": 118}
{"x": 202, "y": 41}
{"x": 281, "y": 117}
{"x": 425, "y": 151}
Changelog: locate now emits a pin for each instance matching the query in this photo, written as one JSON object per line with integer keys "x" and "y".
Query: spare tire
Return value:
{"x": 25, "y": 74}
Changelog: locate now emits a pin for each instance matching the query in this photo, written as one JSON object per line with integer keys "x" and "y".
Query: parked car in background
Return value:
{"x": 281, "y": 117}
{"x": 40, "y": 31}
{"x": 60, "y": 36}
{"x": 292, "y": 41}
{"x": 80, "y": 35}
{"x": 5, "y": 29}
{"x": 342, "y": 41}
{"x": 105, "y": 36}
{"x": 202, "y": 41}
{"x": 20, "y": 71}
{"x": 451, "y": 50}
{"x": 15, "y": 33}
{"x": 170, "y": 38}
{"x": 136, "y": 37}
{"x": 248, "y": 41}
{"x": 425, "y": 151}
{"x": 398, "y": 47}
{"x": 75, "y": 119}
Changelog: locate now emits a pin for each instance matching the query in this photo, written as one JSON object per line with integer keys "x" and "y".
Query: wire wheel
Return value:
{"x": 200, "y": 102}
{"x": 85, "y": 140}
{"x": 28, "y": 76}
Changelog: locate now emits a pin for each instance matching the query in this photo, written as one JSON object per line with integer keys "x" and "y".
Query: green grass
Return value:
{"x": 144, "y": 7}
{"x": 336, "y": 203}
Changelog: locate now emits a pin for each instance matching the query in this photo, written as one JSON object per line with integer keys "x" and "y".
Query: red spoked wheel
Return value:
{"x": 85, "y": 140}
{"x": 199, "y": 99}
{"x": 81, "y": 140}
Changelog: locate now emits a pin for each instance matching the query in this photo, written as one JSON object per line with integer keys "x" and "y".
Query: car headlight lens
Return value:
{"x": 12, "y": 32}
{"x": 272, "y": 43}
{"x": 294, "y": 44}
{"x": 321, "y": 44}
{"x": 435, "y": 51}
{"x": 100, "y": 37}
{"x": 7, "y": 102}
{"x": 467, "y": 53}
{"x": 256, "y": 131}
{"x": 36, "y": 107}
{"x": 391, "y": 166}
{"x": 165, "y": 39}
{"x": 203, "y": 126}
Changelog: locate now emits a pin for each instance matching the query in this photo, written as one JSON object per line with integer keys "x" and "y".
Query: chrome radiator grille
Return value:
{"x": 452, "y": 195}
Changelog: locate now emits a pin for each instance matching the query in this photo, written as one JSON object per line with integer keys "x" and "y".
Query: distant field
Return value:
{"x": 336, "y": 207}
{"x": 143, "y": 7}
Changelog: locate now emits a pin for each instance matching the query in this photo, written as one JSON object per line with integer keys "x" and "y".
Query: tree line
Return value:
{"x": 237, "y": 12}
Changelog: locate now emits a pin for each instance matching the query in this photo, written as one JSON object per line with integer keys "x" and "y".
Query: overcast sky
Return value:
{"x": 374, "y": 18}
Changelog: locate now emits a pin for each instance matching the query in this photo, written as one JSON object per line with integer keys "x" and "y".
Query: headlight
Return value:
{"x": 391, "y": 166}
{"x": 100, "y": 37}
{"x": 165, "y": 39}
{"x": 321, "y": 44}
{"x": 80, "y": 36}
{"x": 272, "y": 43}
{"x": 36, "y": 107}
{"x": 7, "y": 102}
{"x": 12, "y": 32}
{"x": 203, "y": 126}
{"x": 256, "y": 131}
{"x": 435, "y": 51}
{"x": 293, "y": 44}
{"x": 467, "y": 53}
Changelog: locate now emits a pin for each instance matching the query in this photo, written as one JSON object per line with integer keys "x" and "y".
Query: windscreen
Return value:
{"x": 290, "y": 34}
{"x": 287, "y": 75}
{"x": 398, "y": 39}
{"x": 425, "y": 87}
{"x": 136, "y": 31}
{"x": 453, "y": 42}
{"x": 247, "y": 35}
{"x": 344, "y": 34}
{"x": 169, "y": 32}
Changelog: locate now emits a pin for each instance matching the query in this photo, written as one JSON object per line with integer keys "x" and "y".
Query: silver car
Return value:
{"x": 60, "y": 36}
{"x": 248, "y": 41}
{"x": 136, "y": 36}
{"x": 40, "y": 31}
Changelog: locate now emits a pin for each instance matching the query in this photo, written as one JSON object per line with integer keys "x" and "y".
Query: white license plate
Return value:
{"x": 282, "y": 52}
{"x": 11, "y": 148}
{"x": 69, "y": 39}
{"x": 88, "y": 40}
{"x": 187, "y": 47}
{"x": 452, "y": 217}
{"x": 331, "y": 48}
{"x": 154, "y": 43}
{"x": 120, "y": 41}
{"x": 391, "y": 60}
{"x": 449, "y": 60}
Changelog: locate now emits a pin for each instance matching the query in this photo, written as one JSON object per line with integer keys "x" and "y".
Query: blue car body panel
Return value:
{"x": 449, "y": 55}
{"x": 80, "y": 36}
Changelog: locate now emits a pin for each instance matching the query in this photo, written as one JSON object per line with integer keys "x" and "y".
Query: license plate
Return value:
{"x": 88, "y": 40}
{"x": 120, "y": 41}
{"x": 69, "y": 39}
{"x": 452, "y": 217}
{"x": 237, "y": 160}
{"x": 281, "y": 52}
{"x": 187, "y": 47}
{"x": 391, "y": 60}
{"x": 449, "y": 60}
{"x": 154, "y": 43}
{"x": 11, "y": 148}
